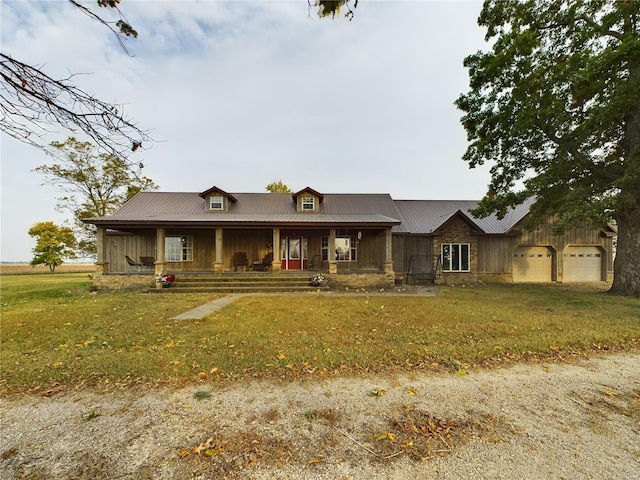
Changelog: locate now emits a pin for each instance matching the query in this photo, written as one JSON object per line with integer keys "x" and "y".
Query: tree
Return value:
{"x": 53, "y": 244}
{"x": 31, "y": 101}
{"x": 555, "y": 106}
{"x": 278, "y": 187}
{"x": 91, "y": 184}
{"x": 331, "y": 8}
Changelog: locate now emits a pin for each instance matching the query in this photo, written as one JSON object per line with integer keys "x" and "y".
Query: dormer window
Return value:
{"x": 307, "y": 200}
{"x": 216, "y": 202}
{"x": 308, "y": 203}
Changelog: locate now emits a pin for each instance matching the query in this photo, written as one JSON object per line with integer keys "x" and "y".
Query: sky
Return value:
{"x": 238, "y": 94}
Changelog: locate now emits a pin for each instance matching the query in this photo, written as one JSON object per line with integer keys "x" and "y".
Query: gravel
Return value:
{"x": 576, "y": 419}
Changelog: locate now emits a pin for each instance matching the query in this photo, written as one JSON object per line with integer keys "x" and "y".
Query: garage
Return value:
{"x": 532, "y": 264}
{"x": 582, "y": 264}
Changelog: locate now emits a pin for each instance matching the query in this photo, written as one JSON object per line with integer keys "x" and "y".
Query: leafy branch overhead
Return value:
{"x": 32, "y": 103}
{"x": 331, "y": 8}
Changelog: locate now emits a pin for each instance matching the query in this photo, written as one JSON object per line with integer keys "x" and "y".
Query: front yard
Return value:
{"x": 55, "y": 333}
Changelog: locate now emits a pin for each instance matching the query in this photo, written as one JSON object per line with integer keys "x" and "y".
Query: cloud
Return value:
{"x": 240, "y": 94}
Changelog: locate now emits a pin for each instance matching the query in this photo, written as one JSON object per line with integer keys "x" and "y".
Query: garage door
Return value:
{"x": 532, "y": 264}
{"x": 582, "y": 264}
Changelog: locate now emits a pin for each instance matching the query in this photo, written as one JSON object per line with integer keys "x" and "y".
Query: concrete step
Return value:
{"x": 238, "y": 289}
{"x": 241, "y": 283}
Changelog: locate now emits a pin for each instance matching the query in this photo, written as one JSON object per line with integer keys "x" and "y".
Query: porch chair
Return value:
{"x": 315, "y": 263}
{"x": 267, "y": 261}
{"x": 131, "y": 263}
{"x": 148, "y": 261}
{"x": 240, "y": 261}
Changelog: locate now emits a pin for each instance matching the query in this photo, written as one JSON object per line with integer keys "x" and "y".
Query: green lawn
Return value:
{"x": 55, "y": 331}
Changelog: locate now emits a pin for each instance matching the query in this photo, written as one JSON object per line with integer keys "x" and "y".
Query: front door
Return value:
{"x": 292, "y": 253}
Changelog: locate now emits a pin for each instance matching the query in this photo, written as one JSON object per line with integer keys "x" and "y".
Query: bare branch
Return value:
{"x": 123, "y": 27}
{"x": 31, "y": 102}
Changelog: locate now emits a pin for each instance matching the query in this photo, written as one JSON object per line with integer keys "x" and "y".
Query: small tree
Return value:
{"x": 53, "y": 244}
{"x": 91, "y": 185}
{"x": 278, "y": 187}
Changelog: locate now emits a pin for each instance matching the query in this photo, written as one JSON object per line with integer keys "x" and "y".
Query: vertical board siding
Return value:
{"x": 120, "y": 244}
{"x": 490, "y": 254}
{"x": 495, "y": 254}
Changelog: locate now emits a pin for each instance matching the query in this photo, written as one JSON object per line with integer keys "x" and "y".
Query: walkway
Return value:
{"x": 207, "y": 309}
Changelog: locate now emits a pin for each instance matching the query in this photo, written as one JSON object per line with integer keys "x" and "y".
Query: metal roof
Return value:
{"x": 253, "y": 208}
{"x": 426, "y": 216}
{"x": 419, "y": 217}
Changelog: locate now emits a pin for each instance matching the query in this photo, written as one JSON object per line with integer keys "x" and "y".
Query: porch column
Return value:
{"x": 333, "y": 265}
{"x": 276, "y": 264}
{"x": 218, "y": 265}
{"x": 388, "y": 254}
{"x": 102, "y": 266}
{"x": 159, "y": 267}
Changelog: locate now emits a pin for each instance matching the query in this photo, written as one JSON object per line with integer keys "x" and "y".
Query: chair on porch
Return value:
{"x": 267, "y": 261}
{"x": 131, "y": 263}
{"x": 315, "y": 263}
{"x": 148, "y": 262}
{"x": 240, "y": 262}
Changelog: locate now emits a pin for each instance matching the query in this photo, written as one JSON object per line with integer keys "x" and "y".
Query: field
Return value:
{"x": 56, "y": 332}
{"x": 25, "y": 268}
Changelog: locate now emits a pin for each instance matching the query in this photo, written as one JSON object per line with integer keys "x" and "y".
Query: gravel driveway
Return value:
{"x": 579, "y": 419}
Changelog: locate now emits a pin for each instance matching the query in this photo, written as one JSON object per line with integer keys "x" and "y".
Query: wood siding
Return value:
{"x": 491, "y": 255}
{"x": 495, "y": 253}
{"x": 407, "y": 246}
{"x": 255, "y": 243}
{"x": 143, "y": 244}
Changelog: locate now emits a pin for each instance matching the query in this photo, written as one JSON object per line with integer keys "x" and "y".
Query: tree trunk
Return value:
{"x": 626, "y": 267}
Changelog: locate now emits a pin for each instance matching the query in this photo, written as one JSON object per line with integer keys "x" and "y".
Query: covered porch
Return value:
{"x": 352, "y": 256}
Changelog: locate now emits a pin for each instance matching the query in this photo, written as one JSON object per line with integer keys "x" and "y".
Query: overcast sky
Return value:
{"x": 241, "y": 93}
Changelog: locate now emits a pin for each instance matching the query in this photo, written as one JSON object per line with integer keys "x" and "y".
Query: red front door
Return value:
{"x": 292, "y": 253}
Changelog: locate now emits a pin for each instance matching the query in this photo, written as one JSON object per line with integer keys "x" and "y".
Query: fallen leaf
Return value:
{"x": 377, "y": 393}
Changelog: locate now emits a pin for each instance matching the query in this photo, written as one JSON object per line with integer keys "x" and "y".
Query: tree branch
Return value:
{"x": 124, "y": 28}
{"x": 601, "y": 28}
{"x": 31, "y": 102}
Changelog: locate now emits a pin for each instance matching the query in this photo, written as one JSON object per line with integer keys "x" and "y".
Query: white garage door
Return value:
{"x": 582, "y": 264}
{"x": 532, "y": 264}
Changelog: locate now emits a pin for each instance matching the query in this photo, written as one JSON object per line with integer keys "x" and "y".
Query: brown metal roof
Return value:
{"x": 412, "y": 217}
{"x": 253, "y": 208}
{"x": 426, "y": 216}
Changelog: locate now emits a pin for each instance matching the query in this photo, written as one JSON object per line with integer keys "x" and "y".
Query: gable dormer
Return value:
{"x": 217, "y": 200}
{"x": 307, "y": 200}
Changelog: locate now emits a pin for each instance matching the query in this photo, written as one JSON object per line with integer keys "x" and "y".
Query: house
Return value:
{"x": 357, "y": 240}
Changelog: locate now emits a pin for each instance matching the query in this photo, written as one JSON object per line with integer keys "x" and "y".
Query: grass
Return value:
{"x": 54, "y": 331}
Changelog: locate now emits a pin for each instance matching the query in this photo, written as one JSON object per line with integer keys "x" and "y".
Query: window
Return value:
{"x": 345, "y": 248}
{"x": 216, "y": 202}
{"x": 455, "y": 257}
{"x": 308, "y": 203}
{"x": 178, "y": 248}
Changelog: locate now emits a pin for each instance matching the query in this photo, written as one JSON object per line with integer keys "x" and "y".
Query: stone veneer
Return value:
{"x": 458, "y": 231}
{"x": 124, "y": 281}
{"x": 371, "y": 281}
